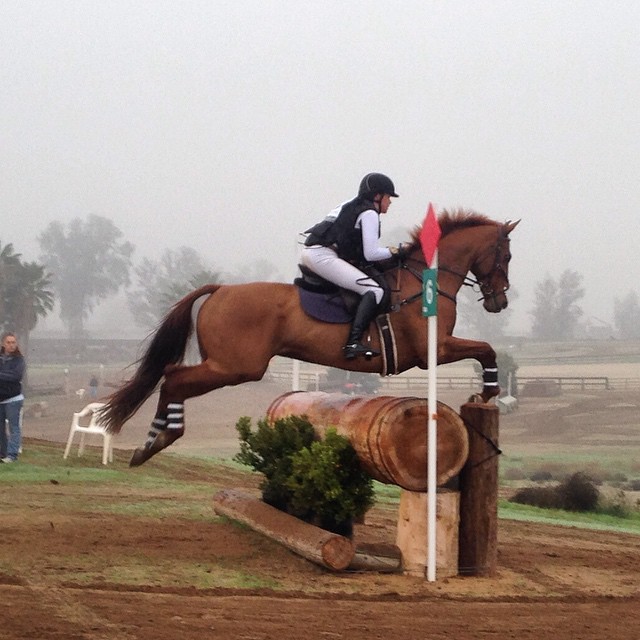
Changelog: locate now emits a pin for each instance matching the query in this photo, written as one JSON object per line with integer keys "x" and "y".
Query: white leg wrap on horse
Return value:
{"x": 175, "y": 415}
{"x": 490, "y": 376}
{"x": 157, "y": 425}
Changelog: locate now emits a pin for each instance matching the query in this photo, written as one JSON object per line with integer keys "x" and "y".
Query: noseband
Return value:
{"x": 483, "y": 281}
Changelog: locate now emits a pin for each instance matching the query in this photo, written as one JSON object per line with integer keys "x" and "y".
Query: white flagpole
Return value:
{"x": 432, "y": 441}
{"x": 295, "y": 368}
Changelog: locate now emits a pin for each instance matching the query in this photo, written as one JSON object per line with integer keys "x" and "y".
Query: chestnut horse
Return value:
{"x": 239, "y": 328}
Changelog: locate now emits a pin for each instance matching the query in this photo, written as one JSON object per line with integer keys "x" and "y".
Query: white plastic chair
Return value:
{"x": 93, "y": 427}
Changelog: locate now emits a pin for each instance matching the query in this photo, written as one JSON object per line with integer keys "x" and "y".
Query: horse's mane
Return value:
{"x": 450, "y": 221}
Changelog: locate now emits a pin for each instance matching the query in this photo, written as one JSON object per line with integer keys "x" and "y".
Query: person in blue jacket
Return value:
{"x": 12, "y": 367}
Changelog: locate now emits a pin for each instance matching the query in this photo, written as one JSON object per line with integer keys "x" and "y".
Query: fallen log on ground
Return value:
{"x": 377, "y": 557}
{"x": 327, "y": 549}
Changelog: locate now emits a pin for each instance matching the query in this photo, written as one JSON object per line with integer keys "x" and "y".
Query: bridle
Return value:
{"x": 480, "y": 281}
{"x": 483, "y": 281}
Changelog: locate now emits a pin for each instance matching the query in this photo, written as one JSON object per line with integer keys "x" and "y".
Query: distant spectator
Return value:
{"x": 93, "y": 387}
{"x": 12, "y": 368}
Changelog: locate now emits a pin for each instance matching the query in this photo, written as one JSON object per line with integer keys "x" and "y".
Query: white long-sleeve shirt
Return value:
{"x": 368, "y": 222}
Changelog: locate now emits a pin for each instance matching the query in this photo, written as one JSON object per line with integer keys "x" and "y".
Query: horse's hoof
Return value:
{"x": 490, "y": 393}
{"x": 164, "y": 439}
{"x": 140, "y": 456}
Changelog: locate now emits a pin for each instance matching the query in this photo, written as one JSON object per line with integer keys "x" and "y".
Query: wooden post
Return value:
{"x": 412, "y": 539}
{"x": 478, "y": 554}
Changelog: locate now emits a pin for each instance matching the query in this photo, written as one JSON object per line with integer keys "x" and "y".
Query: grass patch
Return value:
{"x": 169, "y": 507}
{"x": 599, "y": 464}
{"x": 60, "y": 495}
{"x": 597, "y": 521}
{"x": 199, "y": 575}
{"x": 170, "y": 487}
{"x": 386, "y": 494}
{"x": 43, "y": 461}
{"x": 141, "y": 571}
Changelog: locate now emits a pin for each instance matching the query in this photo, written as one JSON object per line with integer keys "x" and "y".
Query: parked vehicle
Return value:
{"x": 349, "y": 382}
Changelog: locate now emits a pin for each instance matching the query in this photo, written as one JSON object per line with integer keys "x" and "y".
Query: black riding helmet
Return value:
{"x": 374, "y": 183}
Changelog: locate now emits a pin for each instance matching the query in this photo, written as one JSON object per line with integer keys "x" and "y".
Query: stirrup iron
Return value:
{"x": 352, "y": 351}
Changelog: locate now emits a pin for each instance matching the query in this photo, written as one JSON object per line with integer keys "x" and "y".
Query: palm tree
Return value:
{"x": 9, "y": 262}
{"x": 25, "y": 294}
{"x": 33, "y": 299}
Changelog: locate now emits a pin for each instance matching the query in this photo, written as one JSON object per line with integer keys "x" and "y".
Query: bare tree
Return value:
{"x": 260, "y": 270}
{"x": 89, "y": 261}
{"x": 161, "y": 283}
{"x": 473, "y": 318}
{"x": 556, "y": 312}
{"x": 626, "y": 316}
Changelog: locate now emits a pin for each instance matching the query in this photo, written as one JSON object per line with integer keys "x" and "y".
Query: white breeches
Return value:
{"x": 325, "y": 262}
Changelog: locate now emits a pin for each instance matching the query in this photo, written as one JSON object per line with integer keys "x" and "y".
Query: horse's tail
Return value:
{"x": 167, "y": 347}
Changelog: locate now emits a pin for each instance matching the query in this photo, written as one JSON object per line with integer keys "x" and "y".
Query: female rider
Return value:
{"x": 346, "y": 241}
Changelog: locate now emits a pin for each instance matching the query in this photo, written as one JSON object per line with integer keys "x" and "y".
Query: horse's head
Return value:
{"x": 491, "y": 270}
{"x": 470, "y": 242}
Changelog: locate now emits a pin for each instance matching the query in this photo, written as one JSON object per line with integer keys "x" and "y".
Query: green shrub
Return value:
{"x": 618, "y": 506}
{"x": 575, "y": 493}
{"x": 545, "y": 497}
{"x": 514, "y": 473}
{"x": 578, "y": 493}
{"x": 320, "y": 482}
{"x": 269, "y": 450}
{"x": 327, "y": 483}
{"x": 541, "y": 476}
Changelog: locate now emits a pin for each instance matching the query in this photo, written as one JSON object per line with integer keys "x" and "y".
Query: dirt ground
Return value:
{"x": 559, "y": 582}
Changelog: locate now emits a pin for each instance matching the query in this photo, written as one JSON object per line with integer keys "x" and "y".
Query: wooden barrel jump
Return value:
{"x": 389, "y": 434}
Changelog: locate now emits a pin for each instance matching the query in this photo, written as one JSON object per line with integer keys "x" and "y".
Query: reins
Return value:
{"x": 466, "y": 280}
{"x": 416, "y": 296}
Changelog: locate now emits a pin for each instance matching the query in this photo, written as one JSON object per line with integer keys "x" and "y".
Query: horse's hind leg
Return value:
{"x": 166, "y": 427}
{"x": 181, "y": 383}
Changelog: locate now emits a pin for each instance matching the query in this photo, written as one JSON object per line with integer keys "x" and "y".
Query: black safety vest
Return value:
{"x": 341, "y": 232}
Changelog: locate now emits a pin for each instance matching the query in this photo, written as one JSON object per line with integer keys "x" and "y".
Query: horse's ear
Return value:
{"x": 510, "y": 226}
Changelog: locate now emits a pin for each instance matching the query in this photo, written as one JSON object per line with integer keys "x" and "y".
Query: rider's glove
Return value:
{"x": 400, "y": 252}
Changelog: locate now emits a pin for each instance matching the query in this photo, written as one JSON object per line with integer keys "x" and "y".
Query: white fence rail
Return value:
{"x": 312, "y": 380}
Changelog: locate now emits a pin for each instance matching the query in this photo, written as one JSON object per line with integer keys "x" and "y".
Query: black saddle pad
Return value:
{"x": 327, "y": 307}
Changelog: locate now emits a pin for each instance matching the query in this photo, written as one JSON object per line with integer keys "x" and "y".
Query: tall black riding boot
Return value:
{"x": 365, "y": 313}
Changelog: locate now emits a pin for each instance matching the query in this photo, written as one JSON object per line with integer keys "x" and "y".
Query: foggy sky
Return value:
{"x": 231, "y": 126}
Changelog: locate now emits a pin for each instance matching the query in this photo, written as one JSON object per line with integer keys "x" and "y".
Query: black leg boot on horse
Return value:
{"x": 166, "y": 428}
{"x": 365, "y": 313}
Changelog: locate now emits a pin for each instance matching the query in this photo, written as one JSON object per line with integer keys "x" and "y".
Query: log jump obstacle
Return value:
{"x": 389, "y": 435}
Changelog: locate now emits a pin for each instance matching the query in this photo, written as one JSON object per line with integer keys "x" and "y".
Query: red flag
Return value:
{"x": 430, "y": 235}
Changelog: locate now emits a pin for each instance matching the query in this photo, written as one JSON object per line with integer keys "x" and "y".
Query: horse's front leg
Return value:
{"x": 452, "y": 349}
